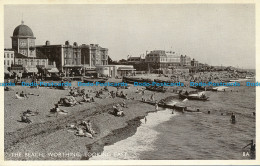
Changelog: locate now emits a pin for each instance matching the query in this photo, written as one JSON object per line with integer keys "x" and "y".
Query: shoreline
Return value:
{"x": 50, "y": 134}
{"x": 39, "y": 133}
{"x": 115, "y": 136}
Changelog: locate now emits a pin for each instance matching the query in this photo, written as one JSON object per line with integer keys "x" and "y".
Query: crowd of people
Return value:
{"x": 80, "y": 96}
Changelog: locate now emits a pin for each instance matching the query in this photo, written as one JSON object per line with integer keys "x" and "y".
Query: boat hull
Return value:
{"x": 181, "y": 96}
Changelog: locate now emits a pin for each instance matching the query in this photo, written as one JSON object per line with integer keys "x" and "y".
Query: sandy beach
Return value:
{"x": 48, "y": 136}
{"x": 48, "y": 133}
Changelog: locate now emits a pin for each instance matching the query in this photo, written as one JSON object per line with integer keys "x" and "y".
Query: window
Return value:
{"x": 25, "y": 62}
{"x": 43, "y": 62}
{"x": 12, "y": 62}
{"x": 38, "y": 62}
{"x": 7, "y": 55}
{"x": 4, "y": 55}
{"x": 19, "y": 62}
{"x": 31, "y": 62}
{"x": 4, "y": 62}
{"x": 12, "y": 55}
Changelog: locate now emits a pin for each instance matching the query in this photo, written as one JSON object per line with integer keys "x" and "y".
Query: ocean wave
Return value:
{"x": 141, "y": 141}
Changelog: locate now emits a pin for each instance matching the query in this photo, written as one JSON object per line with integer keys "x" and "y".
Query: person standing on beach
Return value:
{"x": 156, "y": 106}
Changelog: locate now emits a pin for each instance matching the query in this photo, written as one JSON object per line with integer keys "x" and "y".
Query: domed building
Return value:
{"x": 26, "y": 58}
{"x": 23, "y": 40}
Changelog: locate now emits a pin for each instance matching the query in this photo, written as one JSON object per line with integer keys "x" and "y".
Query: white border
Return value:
{"x": 129, "y": 162}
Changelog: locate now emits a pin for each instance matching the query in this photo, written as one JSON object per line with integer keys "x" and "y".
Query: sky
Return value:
{"x": 217, "y": 34}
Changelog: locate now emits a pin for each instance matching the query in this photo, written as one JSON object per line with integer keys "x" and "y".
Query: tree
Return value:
{"x": 110, "y": 61}
{"x": 122, "y": 61}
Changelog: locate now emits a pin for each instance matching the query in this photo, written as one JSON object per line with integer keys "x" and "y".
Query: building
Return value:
{"x": 26, "y": 59}
{"x": 194, "y": 63}
{"x": 160, "y": 59}
{"x": 115, "y": 70}
{"x": 30, "y": 64}
{"x": 93, "y": 55}
{"x": 66, "y": 57}
{"x": 185, "y": 60}
{"x": 138, "y": 62}
{"x": 8, "y": 58}
{"x": 135, "y": 60}
{"x": 23, "y": 40}
{"x": 8, "y": 61}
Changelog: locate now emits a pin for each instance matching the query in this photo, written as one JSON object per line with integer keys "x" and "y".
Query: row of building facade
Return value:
{"x": 26, "y": 57}
{"x": 162, "y": 60}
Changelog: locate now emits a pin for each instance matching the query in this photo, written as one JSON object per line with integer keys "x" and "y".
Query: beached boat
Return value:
{"x": 220, "y": 88}
{"x": 93, "y": 80}
{"x": 132, "y": 80}
{"x": 190, "y": 109}
{"x": 176, "y": 107}
{"x": 193, "y": 97}
{"x": 156, "y": 88}
{"x": 250, "y": 77}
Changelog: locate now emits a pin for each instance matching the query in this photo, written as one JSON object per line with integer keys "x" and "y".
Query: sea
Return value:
{"x": 209, "y": 135}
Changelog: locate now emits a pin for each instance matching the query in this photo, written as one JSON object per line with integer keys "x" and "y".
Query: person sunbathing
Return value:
{"x": 117, "y": 94}
{"x": 66, "y": 102}
{"x": 124, "y": 104}
{"x": 105, "y": 88}
{"x": 17, "y": 96}
{"x": 113, "y": 94}
{"x": 80, "y": 132}
{"x": 92, "y": 99}
{"x": 8, "y": 88}
{"x": 22, "y": 94}
{"x": 56, "y": 109}
{"x": 89, "y": 127}
{"x": 86, "y": 99}
{"x": 118, "y": 111}
{"x": 25, "y": 119}
{"x": 98, "y": 95}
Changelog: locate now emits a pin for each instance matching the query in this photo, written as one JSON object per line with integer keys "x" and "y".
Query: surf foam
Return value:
{"x": 141, "y": 141}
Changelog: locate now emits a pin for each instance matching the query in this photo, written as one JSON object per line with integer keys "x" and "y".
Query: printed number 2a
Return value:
{"x": 246, "y": 154}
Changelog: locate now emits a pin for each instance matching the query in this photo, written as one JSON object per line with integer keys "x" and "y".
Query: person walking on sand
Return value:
{"x": 143, "y": 92}
{"x": 152, "y": 97}
{"x": 156, "y": 106}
